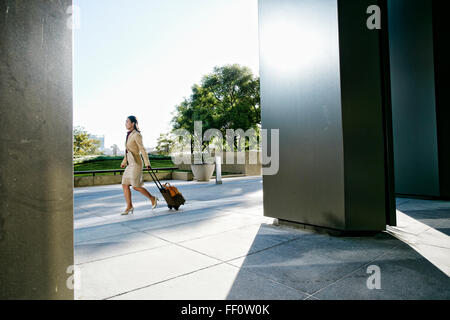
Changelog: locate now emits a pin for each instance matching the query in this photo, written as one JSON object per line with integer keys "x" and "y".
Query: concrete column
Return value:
{"x": 36, "y": 180}
{"x": 322, "y": 86}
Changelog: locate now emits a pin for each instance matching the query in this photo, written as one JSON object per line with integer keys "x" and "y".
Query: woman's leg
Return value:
{"x": 145, "y": 193}
{"x": 127, "y": 194}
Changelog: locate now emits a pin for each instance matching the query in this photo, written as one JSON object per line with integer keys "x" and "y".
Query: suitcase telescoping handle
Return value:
{"x": 155, "y": 178}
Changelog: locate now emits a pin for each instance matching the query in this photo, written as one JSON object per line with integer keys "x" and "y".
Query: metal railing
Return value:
{"x": 120, "y": 171}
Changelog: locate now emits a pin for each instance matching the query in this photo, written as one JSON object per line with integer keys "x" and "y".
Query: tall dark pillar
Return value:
{"x": 322, "y": 85}
{"x": 413, "y": 97}
{"x": 419, "y": 72}
{"x": 36, "y": 172}
{"x": 441, "y": 30}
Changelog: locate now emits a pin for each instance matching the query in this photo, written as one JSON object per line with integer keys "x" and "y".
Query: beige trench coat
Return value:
{"x": 135, "y": 146}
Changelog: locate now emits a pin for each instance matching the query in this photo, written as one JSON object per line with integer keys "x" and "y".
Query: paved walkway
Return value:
{"x": 220, "y": 246}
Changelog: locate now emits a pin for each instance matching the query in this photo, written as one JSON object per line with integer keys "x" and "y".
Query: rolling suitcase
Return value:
{"x": 173, "y": 197}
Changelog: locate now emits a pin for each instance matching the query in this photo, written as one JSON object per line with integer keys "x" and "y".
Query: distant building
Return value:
{"x": 99, "y": 138}
{"x": 108, "y": 151}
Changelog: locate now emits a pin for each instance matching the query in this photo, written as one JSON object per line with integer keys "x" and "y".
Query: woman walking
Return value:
{"x": 132, "y": 161}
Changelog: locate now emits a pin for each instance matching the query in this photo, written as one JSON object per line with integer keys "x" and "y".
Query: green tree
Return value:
{"x": 115, "y": 149}
{"x": 82, "y": 144}
{"x": 228, "y": 98}
{"x": 164, "y": 144}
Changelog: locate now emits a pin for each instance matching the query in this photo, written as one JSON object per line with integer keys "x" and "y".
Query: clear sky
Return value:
{"x": 141, "y": 57}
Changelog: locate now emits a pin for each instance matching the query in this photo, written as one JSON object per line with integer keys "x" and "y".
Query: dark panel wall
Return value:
{"x": 36, "y": 172}
{"x": 366, "y": 196}
{"x": 321, "y": 85}
{"x": 300, "y": 95}
{"x": 441, "y": 30}
{"x": 413, "y": 97}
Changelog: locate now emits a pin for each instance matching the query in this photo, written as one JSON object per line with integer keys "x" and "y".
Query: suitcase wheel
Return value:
{"x": 170, "y": 207}
{"x": 177, "y": 207}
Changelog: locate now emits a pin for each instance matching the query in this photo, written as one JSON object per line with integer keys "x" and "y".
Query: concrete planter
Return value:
{"x": 186, "y": 176}
{"x": 111, "y": 179}
{"x": 230, "y": 163}
{"x": 202, "y": 172}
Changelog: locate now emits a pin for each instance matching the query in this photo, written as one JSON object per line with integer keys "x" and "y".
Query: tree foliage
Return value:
{"x": 82, "y": 144}
{"x": 228, "y": 98}
{"x": 164, "y": 144}
{"x": 115, "y": 149}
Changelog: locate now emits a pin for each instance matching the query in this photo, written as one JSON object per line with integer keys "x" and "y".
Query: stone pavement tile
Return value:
{"x": 429, "y": 213}
{"x": 206, "y": 191}
{"x": 142, "y": 207}
{"x": 79, "y": 212}
{"x": 202, "y": 228}
{"x": 221, "y": 282}
{"x": 433, "y": 213}
{"x": 418, "y": 205}
{"x": 240, "y": 242}
{"x": 433, "y": 237}
{"x": 439, "y": 256}
{"x": 432, "y": 218}
{"x": 409, "y": 225}
{"x": 445, "y": 229}
{"x": 105, "y": 209}
{"x": 94, "y": 198}
{"x": 171, "y": 220}
{"x": 236, "y": 203}
{"x": 405, "y": 275}
{"x": 93, "y": 250}
{"x": 106, "y": 278}
{"x": 111, "y": 204}
{"x": 433, "y": 222}
{"x": 89, "y": 222}
{"x": 144, "y": 211}
{"x": 256, "y": 209}
{"x": 400, "y": 201}
{"x": 430, "y": 243}
{"x": 100, "y": 231}
{"x": 108, "y": 201}
{"x": 312, "y": 298}
{"x": 314, "y": 261}
{"x": 87, "y": 190}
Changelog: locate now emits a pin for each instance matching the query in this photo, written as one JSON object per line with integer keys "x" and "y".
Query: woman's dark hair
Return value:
{"x": 134, "y": 122}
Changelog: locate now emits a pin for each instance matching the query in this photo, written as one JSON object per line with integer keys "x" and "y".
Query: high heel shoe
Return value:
{"x": 126, "y": 212}
{"x": 156, "y": 203}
